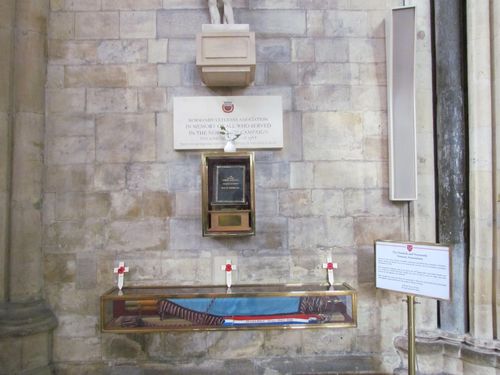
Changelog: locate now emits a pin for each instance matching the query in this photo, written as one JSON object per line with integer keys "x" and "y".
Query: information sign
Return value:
{"x": 413, "y": 268}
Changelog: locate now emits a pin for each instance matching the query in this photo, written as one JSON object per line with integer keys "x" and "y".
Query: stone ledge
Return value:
{"x": 458, "y": 348}
{"x": 23, "y": 319}
{"x": 328, "y": 365}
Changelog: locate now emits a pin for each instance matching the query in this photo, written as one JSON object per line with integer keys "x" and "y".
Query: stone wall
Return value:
{"x": 114, "y": 188}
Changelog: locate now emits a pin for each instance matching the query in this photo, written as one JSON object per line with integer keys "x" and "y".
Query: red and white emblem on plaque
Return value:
{"x": 409, "y": 248}
{"x": 227, "y": 107}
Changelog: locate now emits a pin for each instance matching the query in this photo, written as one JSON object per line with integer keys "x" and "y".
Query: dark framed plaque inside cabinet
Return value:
{"x": 228, "y": 194}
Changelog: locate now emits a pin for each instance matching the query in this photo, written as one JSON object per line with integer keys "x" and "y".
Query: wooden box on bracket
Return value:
{"x": 228, "y": 194}
{"x": 225, "y": 55}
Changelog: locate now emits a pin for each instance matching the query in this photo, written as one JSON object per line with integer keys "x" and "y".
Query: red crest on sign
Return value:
{"x": 409, "y": 247}
{"x": 227, "y": 107}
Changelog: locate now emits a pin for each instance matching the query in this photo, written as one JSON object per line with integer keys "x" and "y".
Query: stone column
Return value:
{"x": 25, "y": 321}
{"x": 6, "y": 58}
{"x": 451, "y": 153}
{"x": 480, "y": 169}
{"x": 495, "y": 35}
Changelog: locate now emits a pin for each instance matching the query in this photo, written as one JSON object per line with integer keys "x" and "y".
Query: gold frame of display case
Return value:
{"x": 146, "y": 309}
{"x": 225, "y": 213}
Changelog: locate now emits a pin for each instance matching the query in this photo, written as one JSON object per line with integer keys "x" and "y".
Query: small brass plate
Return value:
{"x": 229, "y": 221}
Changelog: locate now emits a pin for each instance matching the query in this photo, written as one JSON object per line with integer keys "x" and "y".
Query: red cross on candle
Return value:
{"x": 120, "y": 270}
{"x": 330, "y": 266}
{"x": 228, "y": 268}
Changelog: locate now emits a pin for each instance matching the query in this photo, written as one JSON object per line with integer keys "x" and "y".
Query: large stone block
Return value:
{"x": 191, "y": 271}
{"x": 81, "y": 5}
{"x": 295, "y": 203}
{"x": 148, "y": 177}
{"x": 272, "y": 175}
{"x": 273, "y": 50}
{"x": 109, "y": 177}
{"x": 322, "y": 98}
{"x": 266, "y": 202}
{"x": 282, "y": 74}
{"x": 131, "y": 4}
{"x": 274, "y": 4}
{"x": 158, "y": 204}
{"x": 327, "y": 203}
{"x": 331, "y": 50}
{"x": 341, "y": 175}
{"x": 142, "y": 75}
{"x": 72, "y": 52}
{"x": 369, "y": 98}
{"x": 373, "y": 74}
{"x": 369, "y": 229}
{"x": 59, "y": 268}
{"x": 186, "y": 234}
{"x": 275, "y": 22}
{"x": 66, "y": 100}
{"x": 183, "y": 177}
{"x": 73, "y": 236}
{"x": 326, "y": 341}
{"x": 126, "y": 205}
{"x": 77, "y": 349}
{"x": 60, "y": 178}
{"x": 137, "y": 24}
{"x": 70, "y": 206}
{"x": 179, "y": 344}
{"x": 315, "y": 23}
{"x": 265, "y": 269}
{"x": 168, "y": 23}
{"x": 157, "y": 51}
{"x": 303, "y": 50}
{"x": 182, "y": 50}
{"x": 152, "y": 99}
{"x": 332, "y": 136}
{"x": 169, "y": 74}
{"x": 125, "y": 138}
{"x": 243, "y": 344}
{"x": 328, "y": 74}
{"x": 111, "y": 100}
{"x": 370, "y": 202}
{"x": 283, "y": 91}
{"x": 122, "y": 51}
{"x": 314, "y": 232}
{"x": 71, "y": 150}
{"x": 76, "y": 325}
{"x": 188, "y": 203}
{"x": 366, "y": 50}
{"x": 86, "y": 272}
{"x": 353, "y": 24}
{"x": 62, "y": 25}
{"x": 148, "y": 234}
{"x": 97, "y": 25}
{"x": 301, "y": 175}
{"x": 55, "y": 77}
{"x": 70, "y": 125}
{"x": 283, "y": 343}
{"x": 95, "y": 76}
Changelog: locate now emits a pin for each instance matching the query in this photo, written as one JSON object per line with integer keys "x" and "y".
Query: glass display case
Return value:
{"x": 184, "y": 308}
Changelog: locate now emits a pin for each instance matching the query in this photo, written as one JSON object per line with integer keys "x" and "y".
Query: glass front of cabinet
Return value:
{"x": 241, "y": 307}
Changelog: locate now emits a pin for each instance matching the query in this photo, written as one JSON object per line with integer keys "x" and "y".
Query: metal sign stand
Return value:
{"x": 411, "y": 334}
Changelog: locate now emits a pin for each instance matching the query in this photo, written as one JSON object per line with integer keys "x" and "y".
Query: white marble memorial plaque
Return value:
{"x": 410, "y": 268}
{"x": 197, "y": 121}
